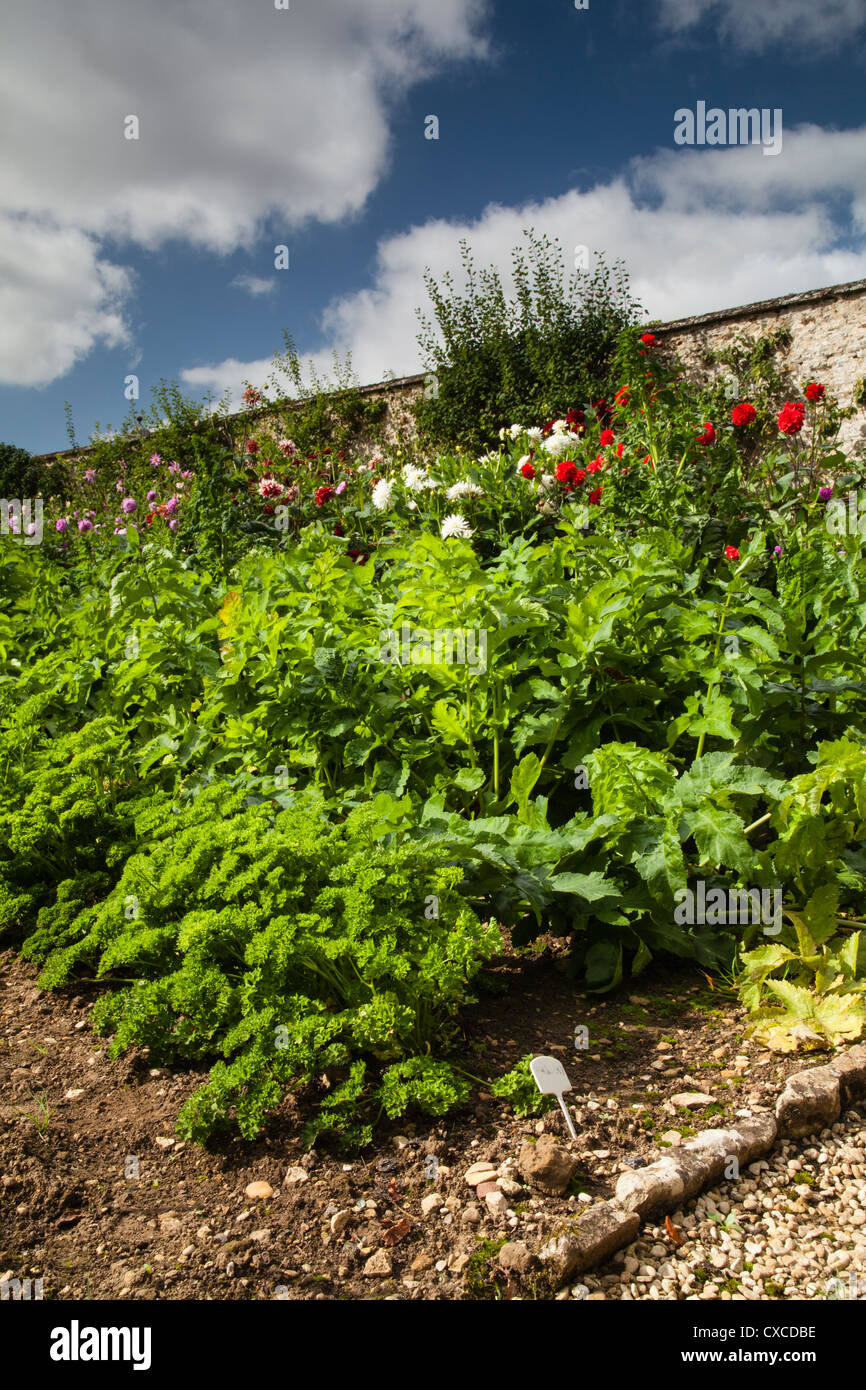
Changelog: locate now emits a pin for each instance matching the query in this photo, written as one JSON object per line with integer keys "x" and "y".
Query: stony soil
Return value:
{"x": 100, "y": 1199}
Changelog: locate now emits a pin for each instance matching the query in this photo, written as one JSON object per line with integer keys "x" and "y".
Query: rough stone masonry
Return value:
{"x": 828, "y": 344}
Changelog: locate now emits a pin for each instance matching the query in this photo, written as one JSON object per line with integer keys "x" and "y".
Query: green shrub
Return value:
{"x": 527, "y": 359}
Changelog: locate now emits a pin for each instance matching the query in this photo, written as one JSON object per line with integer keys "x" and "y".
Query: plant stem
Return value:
{"x": 712, "y": 685}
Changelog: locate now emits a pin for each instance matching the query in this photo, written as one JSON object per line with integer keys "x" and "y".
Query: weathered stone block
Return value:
{"x": 810, "y": 1101}
{"x": 578, "y": 1245}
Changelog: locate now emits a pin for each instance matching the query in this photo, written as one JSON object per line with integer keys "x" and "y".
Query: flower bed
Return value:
{"x": 284, "y": 737}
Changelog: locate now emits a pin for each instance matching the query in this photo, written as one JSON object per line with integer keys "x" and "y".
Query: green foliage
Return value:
{"x": 211, "y": 529}
{"x": 431, "y": 1086}
{"x": 280, "y": 943}
{"x": 531, "y": 357}
{"x": 173, "y": 425}
{"x": 808, "y": 984}
{"x": 22, "y": 475}
{"x": 242, "y": 786}
{"x": 65, "y": 827}
{"x": 518, "y": 1087}
{"x": 324, "y": 414}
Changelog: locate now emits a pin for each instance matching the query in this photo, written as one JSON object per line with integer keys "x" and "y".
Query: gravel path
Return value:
{"x": 793, "y": 1226}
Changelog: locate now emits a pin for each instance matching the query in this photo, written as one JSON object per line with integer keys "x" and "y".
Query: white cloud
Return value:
{"x": 254, "y": 285}
{"x": 760, "y": 24}
{"x": 58, "y": 300}
{"x": 245, "y": 112}
{"x": 698, "y": 230}
{"x": 228, "y": 376}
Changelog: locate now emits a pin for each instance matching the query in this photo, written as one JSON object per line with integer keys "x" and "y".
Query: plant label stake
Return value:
{"x": 551, "y": 1080}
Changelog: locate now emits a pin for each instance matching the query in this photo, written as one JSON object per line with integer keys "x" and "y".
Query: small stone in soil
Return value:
{"x": 379, "y": 1264}
{"x": 259, "y": 1191}
{"x": 480, "y": 1172}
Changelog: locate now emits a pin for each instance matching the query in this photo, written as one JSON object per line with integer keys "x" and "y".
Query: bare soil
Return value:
{"x": 101, "y": 1200}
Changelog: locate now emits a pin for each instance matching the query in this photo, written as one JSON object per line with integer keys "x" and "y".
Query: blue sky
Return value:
{"x": 305, "y": 127}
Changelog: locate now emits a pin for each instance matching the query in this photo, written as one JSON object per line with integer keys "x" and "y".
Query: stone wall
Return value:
{"x": 396, "y": 423}
{"x": 828, "y": 344}
{"x": 398, "y": 394}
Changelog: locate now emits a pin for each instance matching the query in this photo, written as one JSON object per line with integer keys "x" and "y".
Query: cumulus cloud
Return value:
{"x": 697, "y": 229}
{"x": 229, "y": 375}
{"x": 758, "y": 24}
{"x": 244, "y": 112}
{"x": 59, "y": 299}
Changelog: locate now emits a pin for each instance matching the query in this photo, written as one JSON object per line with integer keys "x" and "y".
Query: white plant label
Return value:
{"x": 551, "y": 1079}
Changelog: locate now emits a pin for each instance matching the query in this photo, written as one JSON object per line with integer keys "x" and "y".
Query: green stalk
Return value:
{"x": 712, "y": 685}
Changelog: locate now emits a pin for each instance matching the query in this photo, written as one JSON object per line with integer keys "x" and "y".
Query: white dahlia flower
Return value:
{"x": 465, "y": 488}
{"x": 456, "y": 525}
{"x": 559, "y": 444}
{"x": 382, "y": 494}
{"x": 413, "y": 477}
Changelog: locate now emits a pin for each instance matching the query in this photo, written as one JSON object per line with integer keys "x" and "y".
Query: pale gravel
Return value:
{"x": 802, "y": 1239}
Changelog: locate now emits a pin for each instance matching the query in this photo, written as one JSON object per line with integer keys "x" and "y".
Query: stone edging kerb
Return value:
{"x": 810, "y": 1101}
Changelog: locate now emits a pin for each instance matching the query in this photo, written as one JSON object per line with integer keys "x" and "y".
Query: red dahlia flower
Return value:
{"x": 566, "y": 472}
{"x": 814, "y": 391}
{"x": 606, "y": 437}
{"x": 527, "y": 470}
{"x": 791, "y": 417}
{"x": 731, "y": 552}
{"x": 252, "y": 446}
{"x": 323, "y": 495}
{"x": 648, "y": 338}
{"x": 709, "y": 434}
{"x": 743, "y": 414}
{"x": 594, "y": 497}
